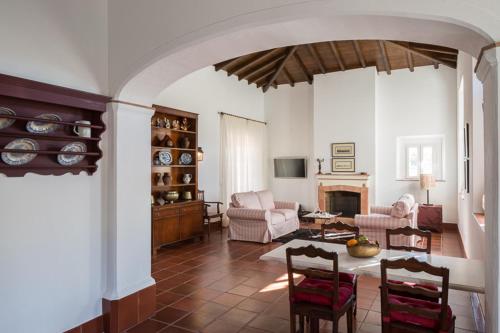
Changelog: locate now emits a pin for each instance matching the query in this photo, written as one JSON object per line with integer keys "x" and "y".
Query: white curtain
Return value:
{"x": 243, "y": 156}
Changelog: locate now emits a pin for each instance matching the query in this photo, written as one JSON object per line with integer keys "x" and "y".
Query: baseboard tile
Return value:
{"x": 95, "y": 325}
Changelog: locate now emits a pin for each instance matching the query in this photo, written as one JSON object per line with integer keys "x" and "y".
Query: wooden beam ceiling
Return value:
{"x": 299, "y": 63}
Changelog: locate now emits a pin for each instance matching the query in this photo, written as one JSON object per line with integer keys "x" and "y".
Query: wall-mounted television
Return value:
{"x": 290, "y": 167}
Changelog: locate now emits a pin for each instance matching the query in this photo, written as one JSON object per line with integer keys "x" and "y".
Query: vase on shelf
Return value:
{"x": 185, "y": 143}
{"x": 187, "y": 178}
{"x": 186, "y": 195}
{"x": 172, "y": 196}
{"x": 167, "y": 179}
{"x": 159, "y": 179}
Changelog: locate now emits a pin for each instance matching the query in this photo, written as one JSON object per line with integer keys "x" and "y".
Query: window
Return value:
{"x": 420, "y": 155}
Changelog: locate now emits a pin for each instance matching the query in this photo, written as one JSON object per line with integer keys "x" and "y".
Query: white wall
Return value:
{"x": 371, "y": 110}
{"x": 290, "y": 134}
{"x": 469, "y": 109}
{"x": 418, "y": 103}
{"x": 207, "y": 92}
{"x": 52, "y": 272}
{"x": 344, "y": 111}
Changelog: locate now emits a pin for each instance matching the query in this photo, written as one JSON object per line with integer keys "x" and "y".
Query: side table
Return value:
{"x": 430, "y": 217}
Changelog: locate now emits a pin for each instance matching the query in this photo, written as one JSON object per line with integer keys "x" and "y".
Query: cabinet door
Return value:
{"x": 165, "y": 230}
{"x": 191, "y": 221}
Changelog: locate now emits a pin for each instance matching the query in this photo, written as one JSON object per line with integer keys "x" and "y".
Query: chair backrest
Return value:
{"x": 201, "y": 195}
{"x": 313, "y": 252}
{"x": 409, "y": 231}
{"x": 415, "y": 266}
{"x": 339, "y": 226}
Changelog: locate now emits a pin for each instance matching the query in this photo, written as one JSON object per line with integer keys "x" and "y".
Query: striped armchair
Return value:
{"x": 374, "y": 225}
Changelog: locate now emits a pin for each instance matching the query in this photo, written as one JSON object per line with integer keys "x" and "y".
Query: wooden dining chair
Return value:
{"x": 426, "y": 237}
{"x": 338, "y": 226}
{"x": 411, "y": 314}
{"x": 320, "y": 295}
{"x": 210, "y": 217}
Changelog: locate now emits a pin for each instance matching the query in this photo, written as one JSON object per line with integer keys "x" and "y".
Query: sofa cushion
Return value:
{"x": 266, "y": 199}
{"x": 246, "y": 200}
{"x": 403, "y": 206}
{"x": 277, "y": 218}
{"x": 287, "y": 213}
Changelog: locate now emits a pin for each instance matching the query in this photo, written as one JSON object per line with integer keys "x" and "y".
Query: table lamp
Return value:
{"x": 427, "y": 182}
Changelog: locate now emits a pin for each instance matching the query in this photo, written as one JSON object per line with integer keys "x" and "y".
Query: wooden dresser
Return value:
{"x": 174, "y": 142}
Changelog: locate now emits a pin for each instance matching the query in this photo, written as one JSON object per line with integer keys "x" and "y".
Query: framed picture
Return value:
{"x": 343, "y": 165}
{"x": 343, "y": 149}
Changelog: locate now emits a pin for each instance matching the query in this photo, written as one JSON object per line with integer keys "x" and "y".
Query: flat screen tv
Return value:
{"x": 290, "y": 167}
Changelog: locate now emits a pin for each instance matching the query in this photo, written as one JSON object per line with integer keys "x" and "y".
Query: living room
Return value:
{"x": 98, "y": 79}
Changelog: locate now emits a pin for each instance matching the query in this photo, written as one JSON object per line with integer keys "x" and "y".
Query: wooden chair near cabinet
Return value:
{"x": 210, "y": 217}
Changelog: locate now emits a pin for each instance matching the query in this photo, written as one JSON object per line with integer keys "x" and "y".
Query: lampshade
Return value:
{"x": 427, "y": 181}
{"x": 199, "y": 152}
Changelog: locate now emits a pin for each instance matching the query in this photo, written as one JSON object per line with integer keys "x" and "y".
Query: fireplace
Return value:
{"x": 346, "y": 202}
{"x": 346, "y": 193}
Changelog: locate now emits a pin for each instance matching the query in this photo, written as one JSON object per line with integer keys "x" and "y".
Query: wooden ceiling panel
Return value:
{"x": 292, "y": 64}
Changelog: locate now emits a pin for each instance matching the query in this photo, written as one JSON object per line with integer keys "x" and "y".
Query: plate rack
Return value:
{"x": 30, "y": 99}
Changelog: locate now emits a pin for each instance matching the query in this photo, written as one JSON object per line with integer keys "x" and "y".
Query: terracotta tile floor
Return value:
{"x": 221, "y": 286}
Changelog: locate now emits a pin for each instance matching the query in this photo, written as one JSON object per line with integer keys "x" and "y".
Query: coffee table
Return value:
{"x": 322, "y": 217}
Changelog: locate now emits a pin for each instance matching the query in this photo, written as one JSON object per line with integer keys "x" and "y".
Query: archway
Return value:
{"x": 167, "y": 63}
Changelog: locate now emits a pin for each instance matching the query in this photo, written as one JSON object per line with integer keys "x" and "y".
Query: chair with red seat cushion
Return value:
{"x": 412, "y": 313}
{"x": 322, "y": 294}
{"x": 426, "y": 239}
{"x": 339, "y": 226}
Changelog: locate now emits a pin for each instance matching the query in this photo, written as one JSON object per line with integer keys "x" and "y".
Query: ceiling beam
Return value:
{"x": 434, "y": 48}
{"x": 385, "y": 59}
{"x": 291, "y": 50}
{"x": 261, "y": 68}
{"x": 303, "y": 68}
{"x": 409, "y": 58}
{"x": 262, "y": 76}
{"x": 224, "y": 64}
{"x": 424, "y": 54}
{"x": 259, "y": 57}
{"x": 316, "y": 57}
{"x": 359, "y": 53}
{"x": 336, "y": 55}
{"x": 288, "y": 77}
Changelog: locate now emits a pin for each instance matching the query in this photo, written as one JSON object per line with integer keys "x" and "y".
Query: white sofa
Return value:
{"x": 256, "y": 217}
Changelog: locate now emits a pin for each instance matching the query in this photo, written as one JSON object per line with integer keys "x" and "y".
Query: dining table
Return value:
{"x": 465, "y": 274}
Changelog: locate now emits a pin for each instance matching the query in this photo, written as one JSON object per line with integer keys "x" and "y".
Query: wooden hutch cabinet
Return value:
{"x": 176, "y": 213}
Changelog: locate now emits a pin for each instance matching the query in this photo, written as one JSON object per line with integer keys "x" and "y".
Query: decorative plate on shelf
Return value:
{"x": 185, "y": 159}
{"x": 165, "y": 157}
{"x": 20, "y": 158}
{"x": 67, "y": 160}
{"x": 6, "y": 122}
{"x": 41, "y": 127}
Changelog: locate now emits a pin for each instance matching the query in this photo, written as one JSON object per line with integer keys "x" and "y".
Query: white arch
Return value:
{"x": 173, "y": 60}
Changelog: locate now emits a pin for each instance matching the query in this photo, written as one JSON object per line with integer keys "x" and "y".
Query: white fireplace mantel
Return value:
{"x": 349, "y": 179}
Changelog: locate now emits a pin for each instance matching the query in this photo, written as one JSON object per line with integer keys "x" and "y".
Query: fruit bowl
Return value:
{"x": 362, "y": 248}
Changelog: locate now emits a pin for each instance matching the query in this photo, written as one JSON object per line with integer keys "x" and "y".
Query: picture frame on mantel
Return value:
{"x": 343, "y": 164}
{"x": 344, "y": 149}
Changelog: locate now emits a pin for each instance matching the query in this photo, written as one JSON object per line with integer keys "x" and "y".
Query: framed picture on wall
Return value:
{"x": 346, "y": 149}
{"x": 343, "y": 165}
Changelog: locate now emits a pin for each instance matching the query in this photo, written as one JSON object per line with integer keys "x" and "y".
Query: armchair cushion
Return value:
{"x": 246, "y": 200}
{"x": 277, "y": 218}
{"x": 248, "y": 214}
{"x": 287, "y": 213}
{"x": 402, "y": 207}
{"x": 266, "y": 199}
{"x": 287, "y": 205}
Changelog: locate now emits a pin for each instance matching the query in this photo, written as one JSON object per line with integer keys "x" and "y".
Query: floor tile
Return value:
{"x": 169, "y": 315}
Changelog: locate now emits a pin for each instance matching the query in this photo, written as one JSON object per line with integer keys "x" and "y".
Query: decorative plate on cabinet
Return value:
{"x": 6, "y": 122}
{"x": 41, "y": 127}
{"x": 185, "y": 159}
{"x": 67, "y": 160}
{"x": 165, "y": 157}
{"x": 20, "y": 158}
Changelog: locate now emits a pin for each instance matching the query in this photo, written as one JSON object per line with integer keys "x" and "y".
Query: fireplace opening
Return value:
{"x": 349, "y": 203}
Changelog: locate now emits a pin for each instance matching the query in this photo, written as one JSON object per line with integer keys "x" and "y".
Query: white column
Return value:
{"x": 488, "y": 73}
{"x": 128, "y": 219}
